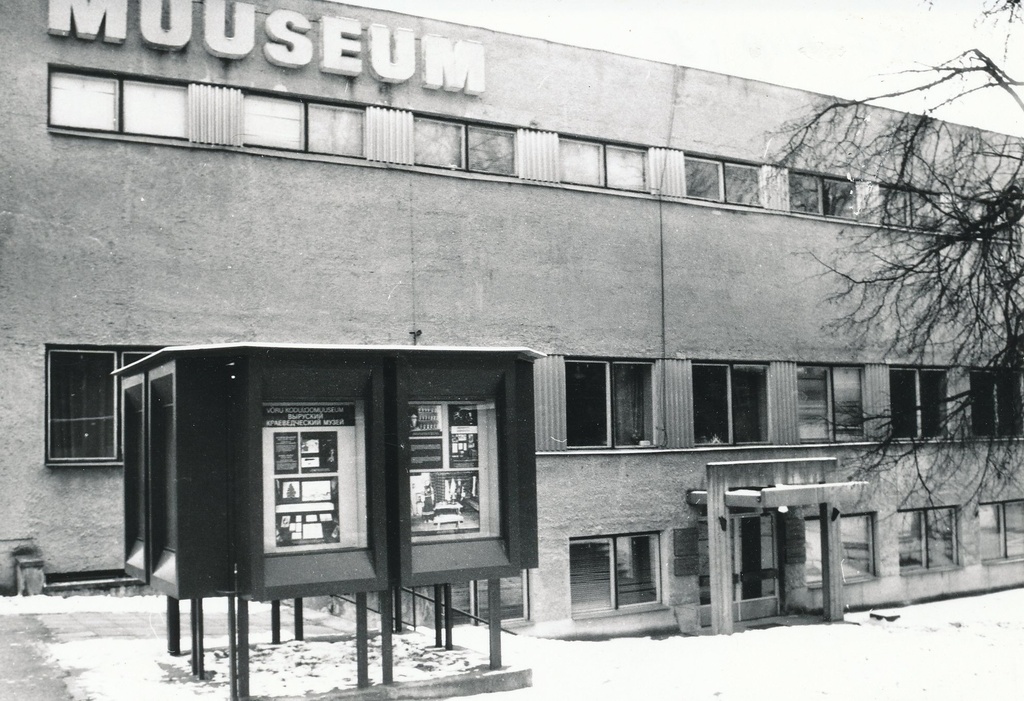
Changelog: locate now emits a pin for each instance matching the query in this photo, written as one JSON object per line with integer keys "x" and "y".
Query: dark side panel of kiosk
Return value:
{"x": 177, "y": 472}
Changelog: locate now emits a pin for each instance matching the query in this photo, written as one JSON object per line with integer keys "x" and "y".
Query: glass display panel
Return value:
{"x": 159, "y": 110}
{"x": 804, "y": 194}
{"x": 314, "y": 476}
{"x": 83, "y": 101}
{"x": 336, "y": 130}
{"x": 627, "y": 168}
{"x": 581, "y": 162}
{"x": 272, "y": 122}
{"x": 742, "y": 184}
{"x": 437, "y": 143}
{"x": 492, "y": 150}
{"x": 703, "y": 179}
{"x": 453, "y": 475}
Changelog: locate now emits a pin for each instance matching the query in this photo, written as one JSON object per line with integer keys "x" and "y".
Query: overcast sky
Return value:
{"x": 829, "y": 46}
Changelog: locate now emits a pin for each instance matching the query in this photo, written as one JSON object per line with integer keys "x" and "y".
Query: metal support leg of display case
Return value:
{"x": 275, "y": 621}
{"x": 299, "y": 634}
{"x": 362, "y": 643}
{"x": 448, "y": 617}
{"x": 384, "y": 598}
{"x": 494, "y": 620}
{"x": 173, "y": 626}
{"x": 243, "y": 648}
{"x": 197, "y": 638}
{"x": 232, "y": 649}
{"x": 438, "y": 615}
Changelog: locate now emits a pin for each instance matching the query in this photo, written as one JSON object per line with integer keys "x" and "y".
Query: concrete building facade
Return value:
{"x": 310, "y": 172}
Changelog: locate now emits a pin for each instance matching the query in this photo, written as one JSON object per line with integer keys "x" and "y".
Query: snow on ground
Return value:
{"x": 955, "y": 649}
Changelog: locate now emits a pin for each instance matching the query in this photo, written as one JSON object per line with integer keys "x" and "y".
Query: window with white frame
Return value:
{"x": 804, "y": 193}
{"x": 336, "y": 130}
{"x": 839, "y": 198}
{"x": 927, "y": 538}
{"x": 83, "y": 101}
{"x": 155, "y": 109}
{"x": 438, "y": 143}
{"x": 829, "y": 403}
{"x": 1002, "y": 530}
{"x": 273, "y": 122}
{"x": 815, "y": 194}
{"x": 626, "y": 167}
{"x": 491, "y": 150}
{"x": 613, "y": 572}
{"x": 995, "y": 403}
{"x": 917, "y": 402}
{"x": 82, "y": 403}
{"x": 703, "y": 178}
{"x": 856, "y": 531}
{"x": 730, "y": 403}
{"x": 608, "y": 404}
{"x": 581, "y": 162}
{"x": 742, "y": 184}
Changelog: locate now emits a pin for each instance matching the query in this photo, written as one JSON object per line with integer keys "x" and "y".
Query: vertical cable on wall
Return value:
{"x": 416, "y": 332}
{"x": 661, "y": 253}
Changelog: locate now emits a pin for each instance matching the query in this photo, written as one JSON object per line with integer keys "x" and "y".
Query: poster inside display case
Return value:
{"x": 314, "y": 476}
{"x": 453, "y": 481}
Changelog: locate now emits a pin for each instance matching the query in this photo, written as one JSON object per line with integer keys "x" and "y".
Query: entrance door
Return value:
{"x": 755, "y": 571}
{"x": 754, "y": 566}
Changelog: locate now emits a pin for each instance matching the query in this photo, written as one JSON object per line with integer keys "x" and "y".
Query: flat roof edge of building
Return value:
{"x": 389, "y": 348}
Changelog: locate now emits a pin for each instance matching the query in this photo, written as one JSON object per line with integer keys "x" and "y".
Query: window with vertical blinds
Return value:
{"x": 613, "y": 572}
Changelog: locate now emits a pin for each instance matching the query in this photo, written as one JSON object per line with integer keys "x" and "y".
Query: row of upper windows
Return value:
{"x": 228, "y": 116}
{"x": 610, "y": 404}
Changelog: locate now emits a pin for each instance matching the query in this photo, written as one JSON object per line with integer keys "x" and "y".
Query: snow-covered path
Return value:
{"x": 954, "y": 649}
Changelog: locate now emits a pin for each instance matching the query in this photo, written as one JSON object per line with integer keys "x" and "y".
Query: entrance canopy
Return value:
{"x": 772, "y": 484}
{"x": 784, "y": 495}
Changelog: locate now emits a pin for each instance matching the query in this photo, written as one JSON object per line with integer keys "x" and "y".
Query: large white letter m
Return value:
{"x": 453, "y": 67}
{"x": 87, "y": 17}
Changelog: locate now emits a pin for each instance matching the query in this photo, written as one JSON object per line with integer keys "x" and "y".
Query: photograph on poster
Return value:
{"x": 318, "y": 490}
{"x": 445, "y": 502}
{"x": 319, "y": 452}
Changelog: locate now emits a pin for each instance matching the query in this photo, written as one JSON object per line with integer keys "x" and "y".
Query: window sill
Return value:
{"x": 1015, "y": 560}
{"x": 84, "y": 463}
{"x": 621, "y": 611}
{"x": 815, "y": 586}
{"x": 929, "y": 570}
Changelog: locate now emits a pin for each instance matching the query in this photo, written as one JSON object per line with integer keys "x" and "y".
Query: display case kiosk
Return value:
{"x": 271, "y": 471}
